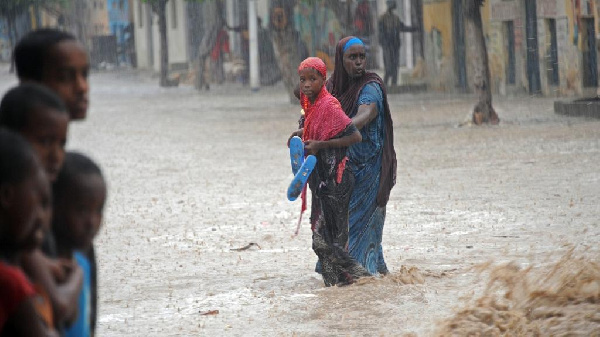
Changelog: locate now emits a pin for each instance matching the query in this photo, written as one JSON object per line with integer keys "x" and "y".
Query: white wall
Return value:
{"x": 177, "y": 37}
{"x": 141, "y": 34}
{"x": 148, "y": 47}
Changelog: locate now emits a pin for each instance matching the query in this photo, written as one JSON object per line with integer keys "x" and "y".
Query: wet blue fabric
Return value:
{"x": 352, "y": 42}
{"x": 366, "y": 218}
{"x": 81, "y": 327}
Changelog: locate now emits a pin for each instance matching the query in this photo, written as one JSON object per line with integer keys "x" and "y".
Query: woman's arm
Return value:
{"x": 365, "y": 114}
{"x": 313, "y": 146}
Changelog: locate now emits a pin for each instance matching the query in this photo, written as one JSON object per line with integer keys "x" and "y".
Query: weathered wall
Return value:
{"x": 439, "y": 58}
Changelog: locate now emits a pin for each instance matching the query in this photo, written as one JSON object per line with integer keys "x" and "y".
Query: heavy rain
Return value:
{"x": 490, "y": 229}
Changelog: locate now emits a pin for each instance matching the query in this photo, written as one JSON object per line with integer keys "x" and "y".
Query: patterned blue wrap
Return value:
{"x": 366, "y": 219}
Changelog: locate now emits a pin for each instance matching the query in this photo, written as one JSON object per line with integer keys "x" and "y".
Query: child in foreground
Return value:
{"x": 24, "y": 203}
{"x": 40, "y": 116}
{"x": 327, "y": 132}
{"x": 79, "y": 196}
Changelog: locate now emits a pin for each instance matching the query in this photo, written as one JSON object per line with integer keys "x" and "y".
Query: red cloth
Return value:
{"x": 221, "y": 45}
{"x": 14, "y": 289}
{"x": 325, "y": 118}
{"x": 322, "y": 120}
{"x": 315, "y": 63}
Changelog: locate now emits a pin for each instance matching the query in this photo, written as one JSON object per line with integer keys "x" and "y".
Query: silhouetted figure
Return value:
{"x": 390, "y": 27}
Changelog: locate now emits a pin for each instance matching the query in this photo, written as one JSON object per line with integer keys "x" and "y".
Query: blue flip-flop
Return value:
{"x": 301, "y": 178}
{"x": 296, "y": 153}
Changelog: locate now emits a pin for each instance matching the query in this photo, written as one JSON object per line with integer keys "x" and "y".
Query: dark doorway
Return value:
{"x": 552, "y": 54}
{"x": 458, "y": 28}
{"x": 589, "y": 52}
{"x": 509, "y": 38}
{"x": 533, "y": 64}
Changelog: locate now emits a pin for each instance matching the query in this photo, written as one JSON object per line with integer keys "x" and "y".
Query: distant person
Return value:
{"x": 372, "y": 161}
{"x": 363, "y": 22}
{"x": 79, "y": 194}
{"x": 57, "y": 60}
{"x": 390, "y": 27}
{"x": 217, "y": 56}
{"x": 24, "y": 201}
{"x": 327, "y": 132}
{"x": 39, "y": 115}
{"x": 242, "y": 28}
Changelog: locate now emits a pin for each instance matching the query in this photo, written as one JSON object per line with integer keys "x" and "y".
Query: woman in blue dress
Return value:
{"x": 373, "y": 161}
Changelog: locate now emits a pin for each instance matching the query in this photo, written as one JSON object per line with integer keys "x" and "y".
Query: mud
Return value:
{"x": 194, "y": 176}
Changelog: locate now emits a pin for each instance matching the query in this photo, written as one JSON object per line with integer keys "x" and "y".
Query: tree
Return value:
{"x": 483, "y": 112}
{"x": 11, "y": 9}
{"x": 159, "y": 7}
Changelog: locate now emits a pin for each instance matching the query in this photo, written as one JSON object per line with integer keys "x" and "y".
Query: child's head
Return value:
{"x": 313, "y": 73}
{"x": 56, "y": 59}
{"x": 40, "y": 116}
{"x": 79, "y": 196}
{"x": 24, "y": 195}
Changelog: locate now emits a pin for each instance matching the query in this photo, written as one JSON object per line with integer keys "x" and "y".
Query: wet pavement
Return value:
{"x": 194, "y": 176}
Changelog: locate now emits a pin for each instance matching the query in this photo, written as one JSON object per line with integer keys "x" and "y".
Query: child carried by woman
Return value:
{"x": 327, "y": 132}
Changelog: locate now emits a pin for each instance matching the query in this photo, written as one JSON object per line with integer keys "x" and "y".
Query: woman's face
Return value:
{"x": 355, "y": 60}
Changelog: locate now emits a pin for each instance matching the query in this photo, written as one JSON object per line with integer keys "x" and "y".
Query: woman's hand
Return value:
{"x": 313, "y": 146}
{"x": 297, "y": 133}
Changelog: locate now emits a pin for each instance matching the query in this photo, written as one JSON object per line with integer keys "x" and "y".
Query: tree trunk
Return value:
{"x": 12, "y": 32}
{"x": 286, "y": 41}
{"x": 160, "y": 9}
{"x": 483, "y": 112}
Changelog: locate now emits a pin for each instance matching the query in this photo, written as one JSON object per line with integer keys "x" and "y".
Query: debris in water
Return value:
{"x": 562, "y": 299}
{"x": 210, "y": 312}
{"x": 246, "y": 247}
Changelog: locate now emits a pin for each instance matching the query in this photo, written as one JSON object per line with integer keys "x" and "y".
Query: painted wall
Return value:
{"x": 147, "y": 38}
{"x": 142, "y": 25}
{"x": 567, "y": 15}
{"x": 99, "y": 17}
{"x": 439, "y": 57}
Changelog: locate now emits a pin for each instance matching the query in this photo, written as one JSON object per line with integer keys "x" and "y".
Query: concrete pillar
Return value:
{"x": 253, "y": 41}
{"x": 408, "y": 36}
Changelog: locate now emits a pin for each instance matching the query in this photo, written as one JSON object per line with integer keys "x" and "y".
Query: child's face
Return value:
{"x": 81, "y": 215}
{"x": 311, "y": 82}
{"x": 47, "y": 133}
{"x": 27, "y": 206}
{"x": 66, "y": 72}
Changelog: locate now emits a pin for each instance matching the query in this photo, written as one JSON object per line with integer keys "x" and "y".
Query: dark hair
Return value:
{"x": 75, "y": 164}
{"x": 32, "y": 50}
{"x": 19, "y": 102}
{"x": 17, "y": 159}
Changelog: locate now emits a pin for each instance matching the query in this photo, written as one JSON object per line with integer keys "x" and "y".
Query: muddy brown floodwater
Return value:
{"x": 193, "y": 177}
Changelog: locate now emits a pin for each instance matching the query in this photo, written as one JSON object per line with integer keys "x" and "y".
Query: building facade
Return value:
{"x": 546, "y": 47}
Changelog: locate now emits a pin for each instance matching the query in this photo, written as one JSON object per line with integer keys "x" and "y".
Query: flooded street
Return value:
{"x": 195, "y": 176}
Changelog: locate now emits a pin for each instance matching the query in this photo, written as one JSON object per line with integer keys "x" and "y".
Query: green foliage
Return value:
{"x": 12, "y": 7}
